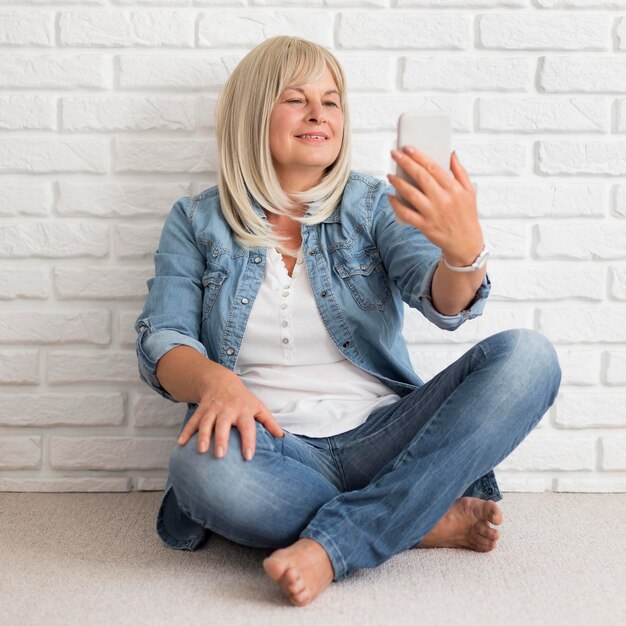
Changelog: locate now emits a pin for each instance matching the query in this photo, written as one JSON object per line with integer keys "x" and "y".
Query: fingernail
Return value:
{"x": 204, "y": 446}
{"x": 248, "y": 454}
{"x": 410, "y": 149}
{"x": 220, "y": 452}
{"x": 397, "y": 154}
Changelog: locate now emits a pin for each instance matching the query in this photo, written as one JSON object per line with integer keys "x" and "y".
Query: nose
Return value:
{"x": 316, "y": 112}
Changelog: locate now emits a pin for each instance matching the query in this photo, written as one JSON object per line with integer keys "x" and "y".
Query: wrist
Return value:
{"x": 463, "y": 258}
{"x": 461, "y": 265}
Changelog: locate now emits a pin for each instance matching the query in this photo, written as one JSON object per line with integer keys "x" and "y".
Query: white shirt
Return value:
{"x": 288, "y": 360}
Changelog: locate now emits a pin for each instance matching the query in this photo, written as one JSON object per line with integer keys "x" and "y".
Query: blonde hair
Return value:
{"x": 242, "y": 120}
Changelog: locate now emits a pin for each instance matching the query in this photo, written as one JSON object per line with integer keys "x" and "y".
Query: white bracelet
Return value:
{"x": 479, "y": 261}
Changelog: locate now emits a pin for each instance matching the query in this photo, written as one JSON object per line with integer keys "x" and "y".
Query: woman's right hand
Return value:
{"x": 226, "y": 404}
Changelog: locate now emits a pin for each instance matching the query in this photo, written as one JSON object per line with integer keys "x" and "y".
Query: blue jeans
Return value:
{"x": 378, "y": 489}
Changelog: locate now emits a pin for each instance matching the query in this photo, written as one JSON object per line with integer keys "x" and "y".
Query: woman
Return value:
{"x": 276, "y": 314}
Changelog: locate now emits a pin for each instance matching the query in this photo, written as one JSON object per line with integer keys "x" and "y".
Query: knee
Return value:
{"x": 201, "y": 473}
{"x": 532, "y": 358}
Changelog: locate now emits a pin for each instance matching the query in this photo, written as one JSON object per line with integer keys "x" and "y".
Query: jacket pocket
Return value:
{"x": 364, "y": 275}
{"x": 212, "y": 282}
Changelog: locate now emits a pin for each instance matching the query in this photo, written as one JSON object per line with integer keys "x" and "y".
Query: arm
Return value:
{"x": 453, "y": 292}
{"x": 443, "y": 208}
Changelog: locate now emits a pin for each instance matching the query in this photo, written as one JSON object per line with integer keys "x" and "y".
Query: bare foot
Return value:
{"x": 303, "y": 569}
{"x": 465, "y": 525}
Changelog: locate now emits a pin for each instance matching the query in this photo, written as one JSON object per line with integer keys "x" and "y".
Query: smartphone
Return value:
{"x": 430, "y": 133}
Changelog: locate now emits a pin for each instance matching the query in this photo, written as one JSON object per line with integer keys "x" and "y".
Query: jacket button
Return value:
{"x": 257, "y": 259}
{"x": 230, "y": 352}
{"x": 346, "y": 344}
{"x": 244, "y": 300}
{"x": 142, "y": 327}
{"x": 324, "y": 294}
{"x": 313, "y": 252}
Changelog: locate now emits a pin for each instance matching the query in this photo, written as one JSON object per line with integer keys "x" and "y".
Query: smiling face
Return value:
{"x": 312, "y": 109}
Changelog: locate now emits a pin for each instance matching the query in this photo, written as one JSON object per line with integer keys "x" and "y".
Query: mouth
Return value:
{"x": 313, "y": 137}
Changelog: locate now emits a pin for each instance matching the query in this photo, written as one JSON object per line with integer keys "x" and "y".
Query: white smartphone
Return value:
{"x": 430, "y": 133}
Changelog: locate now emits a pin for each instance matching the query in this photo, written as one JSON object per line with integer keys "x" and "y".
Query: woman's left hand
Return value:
{"x": 443, "y": 208}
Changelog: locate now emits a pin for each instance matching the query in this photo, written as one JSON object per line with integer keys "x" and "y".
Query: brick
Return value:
{"x": 144, "y": 72}
{"x": 576, "y": 324}
{"x": 153, "y": 410}
{"x": 367, "y": 72}
{"x": 587, "y": 409}
{"x": 224, "y": 29}
{"x": 593, "y": 74}
{"x": 37, "y": 3}
{"x": 465, "y": 4}
{"x": 382, "y": 112}
{"x": 582, "y": 157}
{"x": 601, "y": 484}
{"x": 620, "y": 114}
{"x": 126, "y": 328}
{"x": 112, "y": 366}
{"x": 455, "y": 73}
{"x": 579, "y": 367}
{"x": 615, "y": 373}
{"x": 206, "y": 112}
{"x": 581, "y": 241}
{"x": 20, "y": 452}
{"x": 64, "y": 485}
{"x": 23, "y": 283}
{"x": 540, "y": 200}
{"x": 346, "y": 3}
{"x": 19, "y": 367}
{"x": 393, "y": 30}
{"x": 515, "y": 31}
{"x": 61, "y": 409}
{"x": 128, "y": 113}
{"x": 613, "y": 453}
{"x": 617, "y": 280}
{"x": 545, "y": 451}
{"x": 619, "y": 207}
{"x": 546, "y": 282}
{"x": 119, "y": 199}
{"x": 500, "y": 158}
{"x": 86, "y": 326}
{"x": 98, "y": 283}
{"x": 122, "y": 29}
{"x": 25, "y": 199}
{"x": 536, "y": 115}
{"x": 27, "y": 28}
{"x": 52, "y": 71}
{"x": 211, "y": 3}
{"x": 110, "y": 453}
{"x": 512, "y": 484}
{"x": 165, "y": 155}
{"x": 371, "y": 155}
{"x": 133, "y": 242}
{"x": 507, "y": 240}
{"x": 418, "y": 330}
{"x": 53, "y": 240}
{"x": 289, "y": 3}
{"x": 44, "y": 156}
{"x": 28, "y": 112}
{"x": 581, "y": 4}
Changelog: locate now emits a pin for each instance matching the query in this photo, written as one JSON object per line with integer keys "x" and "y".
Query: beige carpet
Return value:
{"x": 85, "y": 558}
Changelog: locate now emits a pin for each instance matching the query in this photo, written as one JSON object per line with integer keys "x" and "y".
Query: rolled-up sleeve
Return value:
{"x": 172, "y": 312}
{"x": 411, "y": 261}
{"x": 451, "y": 322}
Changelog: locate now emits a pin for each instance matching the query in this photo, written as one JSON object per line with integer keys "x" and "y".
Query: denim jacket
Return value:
{"x": 362, "y": 264}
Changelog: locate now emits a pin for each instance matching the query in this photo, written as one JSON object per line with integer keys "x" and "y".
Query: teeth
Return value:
{"x": 312, "y": 136}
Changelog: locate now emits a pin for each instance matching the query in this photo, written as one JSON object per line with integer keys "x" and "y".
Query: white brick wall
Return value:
{"x": 106, "y": 112}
